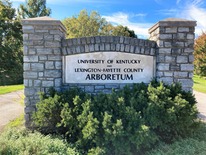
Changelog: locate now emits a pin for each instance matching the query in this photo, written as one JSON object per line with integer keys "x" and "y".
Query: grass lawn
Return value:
{"x": 17, "y": 123}
{"x": 199, "y": 84}
{"x": 11, "y": 88}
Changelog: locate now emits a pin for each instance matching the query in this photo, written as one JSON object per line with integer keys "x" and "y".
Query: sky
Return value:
{"x": 138, "y": 15}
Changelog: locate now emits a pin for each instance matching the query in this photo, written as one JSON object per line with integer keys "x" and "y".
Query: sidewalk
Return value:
{"x": 10, "y": 107}
{"x": 201, "y": 106}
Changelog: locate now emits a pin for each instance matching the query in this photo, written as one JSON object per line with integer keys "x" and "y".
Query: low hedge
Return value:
{"x": 128, "y": 121}
{"x": 24, "y": 142}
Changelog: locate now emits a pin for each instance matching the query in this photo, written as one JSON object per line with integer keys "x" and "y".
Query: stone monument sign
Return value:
{"x": 108, "y": 67}
{"x": 102, "y": 63}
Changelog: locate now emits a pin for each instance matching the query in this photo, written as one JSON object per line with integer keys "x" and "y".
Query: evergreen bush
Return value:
{"x": 128, "y": 121}
{"x": 24, "y": 142}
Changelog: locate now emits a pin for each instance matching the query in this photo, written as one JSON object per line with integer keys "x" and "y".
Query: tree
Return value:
{"x": 85, "y": 24}
{"x": 200, "y": 55}
{"x": 123, "y": 31}
{"x": 33, "y": 8}
{"x": 11, "y": 55}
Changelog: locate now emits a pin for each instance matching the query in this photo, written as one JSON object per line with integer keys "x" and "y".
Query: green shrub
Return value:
{"x": 194, "y": 145}
{"x": 19, "y": 142}
{"x": 49, "y": 108}
{"x": 125, "y": 122}
{"x": 184, "y": 147}
{"x": 112, "y": 124}
{"x": 171, "y": 113}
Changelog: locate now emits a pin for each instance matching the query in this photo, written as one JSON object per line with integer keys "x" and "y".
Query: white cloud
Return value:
{"x": 178, "y": 1}
{"x": 140, "y": 15}
{"x": 198, "y": 14}
{"x": 117, "y": 18}
{"x": 74, "y": 1}
{"x": 191, "y": 10}
{"x": 17, "y": 0}
{"x": 197, "y": 2}
{"x": 120, "y": 18}
{"x": 194, "y": 11}
{"x": 158, "y": 1}
{"x": 169, "y": 12}
{"x": 81, "y": 1}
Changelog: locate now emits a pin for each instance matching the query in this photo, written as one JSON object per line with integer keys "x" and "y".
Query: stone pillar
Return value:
{"x": 42, "y": 59}
{"x": 175, "y": 41}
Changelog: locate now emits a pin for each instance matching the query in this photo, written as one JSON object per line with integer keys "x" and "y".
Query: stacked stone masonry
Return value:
{"x": 108, "y": 43}
{"x": 171, "y": 42}
{"x": 42, "y": 59}
{"x": 175, "y": 40}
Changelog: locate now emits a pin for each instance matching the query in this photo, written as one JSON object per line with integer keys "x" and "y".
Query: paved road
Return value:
{"x": 201, "y": 106}
{"x": 10, "y": 107}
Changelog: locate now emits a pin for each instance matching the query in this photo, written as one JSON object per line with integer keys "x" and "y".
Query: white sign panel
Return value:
{"x": 108, "y": 67}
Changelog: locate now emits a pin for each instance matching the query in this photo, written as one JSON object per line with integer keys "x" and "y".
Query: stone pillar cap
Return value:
{"x": 173, "y": 22}
{"x": 45, "y": 20}
{"x": 175, "y": 19}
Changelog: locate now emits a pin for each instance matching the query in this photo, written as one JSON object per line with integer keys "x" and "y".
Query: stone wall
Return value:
{"x": 108, "y": 43}
{"x": 105, "y": 44}
{"x": 175, "y": 40}
{"x": 171, "y": 42}
{"x": 42, "y": 59}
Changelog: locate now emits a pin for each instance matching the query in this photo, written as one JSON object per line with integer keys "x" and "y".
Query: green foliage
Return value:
{"x": 129, "y": 121}
{"x": 33, "y": 8}
{"x": 86, "y": 24}
{"x": 92, "y": 24}
{"x": 200, "y": 55}
{"x": 199, "y": 84}
{"x": 194, "y": 145}
{"x": 19, "y": 121}
{"x": 48, "y": 112}
{"x": 123, "y": 31}
{"x": 50, "y": 108}
{"x": 11, "y": 88}
{"x": 11, "y": 55}
{"x": 183, "y": 147}
{"x": 22, "y": 141}
{"x": 171, "y": 112}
